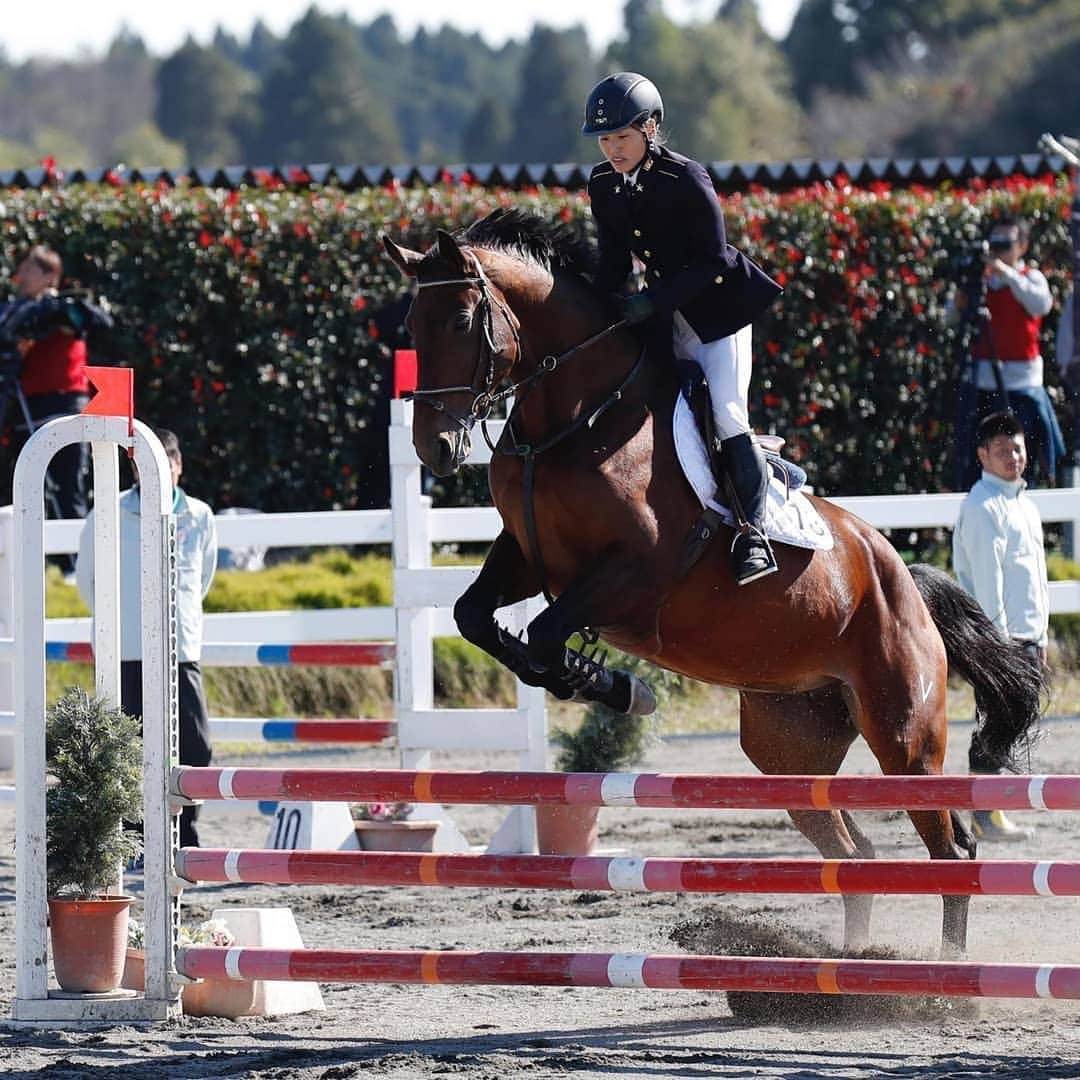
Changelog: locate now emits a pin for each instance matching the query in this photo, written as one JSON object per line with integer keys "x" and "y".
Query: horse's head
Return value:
{"x": 466, "y": 341}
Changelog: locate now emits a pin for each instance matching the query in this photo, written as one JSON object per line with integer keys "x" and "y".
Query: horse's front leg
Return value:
{"x": 504, "y": 579}
{"x": 616, "y": 592}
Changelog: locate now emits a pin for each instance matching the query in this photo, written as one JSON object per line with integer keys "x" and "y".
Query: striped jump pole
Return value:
{"x": 281, "y": 729}
{"x": 596, "y": 873}
{"x": 635, "y": 970}
{"x": 258, "y": 729}
{"x": 253, "y": 654}
{"x": 688, "y": 791}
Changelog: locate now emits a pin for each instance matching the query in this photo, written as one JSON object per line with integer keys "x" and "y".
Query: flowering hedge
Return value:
{"x": 260, "y": 322}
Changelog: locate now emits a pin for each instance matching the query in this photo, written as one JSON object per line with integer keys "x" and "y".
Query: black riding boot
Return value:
{"x": 751, "y": 554}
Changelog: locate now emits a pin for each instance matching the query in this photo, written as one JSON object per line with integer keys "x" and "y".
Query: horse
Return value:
{"x": 595, "y": 514}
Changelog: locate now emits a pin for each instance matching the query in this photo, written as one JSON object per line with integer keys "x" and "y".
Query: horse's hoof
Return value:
{"x": 623, "y": 693}
{"x": 635, "y": 697}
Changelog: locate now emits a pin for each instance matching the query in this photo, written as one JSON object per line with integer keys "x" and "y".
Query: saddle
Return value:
{"x": 791, "y": 518}
{"x": 787, "y": 472}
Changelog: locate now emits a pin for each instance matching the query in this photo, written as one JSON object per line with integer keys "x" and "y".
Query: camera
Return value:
{"x": 971, "y": 257}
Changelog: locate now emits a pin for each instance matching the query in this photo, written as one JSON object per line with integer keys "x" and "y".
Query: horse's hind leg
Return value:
{"x": 901, "y": 714}
{"x": 811, "y": 733}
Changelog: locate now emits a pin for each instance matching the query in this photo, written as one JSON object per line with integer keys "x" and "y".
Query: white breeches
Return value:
{"x": 726, "y": 364}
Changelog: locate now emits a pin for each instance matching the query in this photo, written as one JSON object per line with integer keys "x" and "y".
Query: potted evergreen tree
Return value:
{"x": 94, "y": 754}
{"x": 605, "y": 741}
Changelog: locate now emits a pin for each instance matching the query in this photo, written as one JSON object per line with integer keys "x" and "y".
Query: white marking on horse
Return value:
{"x": 925, "y": 687}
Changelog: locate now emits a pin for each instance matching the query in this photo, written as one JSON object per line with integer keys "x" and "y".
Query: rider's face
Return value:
{"x": 624, "y": 148}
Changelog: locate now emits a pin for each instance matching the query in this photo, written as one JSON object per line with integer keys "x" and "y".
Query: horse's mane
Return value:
{"x": 553, "y": 245}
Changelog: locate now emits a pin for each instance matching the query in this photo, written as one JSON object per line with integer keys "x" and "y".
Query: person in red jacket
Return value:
{"x": 1008, "y": 361}
{"x": 54, "y": 380}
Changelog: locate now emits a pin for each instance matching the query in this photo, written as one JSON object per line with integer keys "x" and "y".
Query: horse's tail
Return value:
{"x": 1011, "y": 686}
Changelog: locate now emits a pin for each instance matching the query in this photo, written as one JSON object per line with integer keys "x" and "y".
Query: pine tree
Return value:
{"x": 317, "y": 101}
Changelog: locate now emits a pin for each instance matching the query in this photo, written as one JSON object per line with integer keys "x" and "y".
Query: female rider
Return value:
{"x": 661, "y": 207}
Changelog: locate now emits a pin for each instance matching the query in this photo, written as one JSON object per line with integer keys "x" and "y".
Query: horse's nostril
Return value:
{"x": 444, "y": 456}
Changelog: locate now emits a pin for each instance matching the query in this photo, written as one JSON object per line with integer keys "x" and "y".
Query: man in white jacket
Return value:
{"x": 999, "y": 559}
{"x": 196, "y": 558}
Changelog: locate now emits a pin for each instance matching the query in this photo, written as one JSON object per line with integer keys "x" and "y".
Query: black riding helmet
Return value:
{"x": 620, "y": 100}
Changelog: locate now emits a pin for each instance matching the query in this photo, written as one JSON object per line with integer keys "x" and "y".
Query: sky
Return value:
{"x": 64, "y": 28}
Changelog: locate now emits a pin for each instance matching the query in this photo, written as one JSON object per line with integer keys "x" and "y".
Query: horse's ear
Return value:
{"x": 405, "y": 259}
{"x": 450, "y": 252}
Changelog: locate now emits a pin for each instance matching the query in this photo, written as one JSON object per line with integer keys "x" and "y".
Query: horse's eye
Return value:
{"x": 463, "y": 322}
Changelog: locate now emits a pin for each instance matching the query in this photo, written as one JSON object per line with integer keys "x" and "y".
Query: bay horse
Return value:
{"x": 596, "y": 510}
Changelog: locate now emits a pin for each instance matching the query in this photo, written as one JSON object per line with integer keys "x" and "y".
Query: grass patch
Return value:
{"x": 329, "y": 579}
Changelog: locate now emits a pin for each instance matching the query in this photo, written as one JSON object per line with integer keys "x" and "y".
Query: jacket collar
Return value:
{"x": 134, "y": 496}
{"x": 1011, "y": 488}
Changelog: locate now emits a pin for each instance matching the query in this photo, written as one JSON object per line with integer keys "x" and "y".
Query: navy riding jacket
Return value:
{"x": 670, "y": 218}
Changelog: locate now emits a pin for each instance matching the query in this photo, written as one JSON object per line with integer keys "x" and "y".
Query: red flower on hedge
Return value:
{"x": 205, "y": 239}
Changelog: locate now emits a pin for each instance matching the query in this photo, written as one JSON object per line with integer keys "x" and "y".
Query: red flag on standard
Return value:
{"x": 115, "y": 393}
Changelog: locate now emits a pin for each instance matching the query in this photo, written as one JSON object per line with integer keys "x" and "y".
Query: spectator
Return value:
{"x": 196, "y": 557}
{"x": 999, "y": 559}
{"x": 54, "y": 381}
{"x": 1008, "y": 363}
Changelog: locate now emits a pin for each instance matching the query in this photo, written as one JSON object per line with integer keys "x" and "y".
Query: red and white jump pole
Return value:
{"x": 846, "y": 876}
{"x": 688, "y": 791}
{"x": 636, "y": 970}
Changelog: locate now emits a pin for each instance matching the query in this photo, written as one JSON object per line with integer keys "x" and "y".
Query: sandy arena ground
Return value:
{"x": 405, "y": 1031}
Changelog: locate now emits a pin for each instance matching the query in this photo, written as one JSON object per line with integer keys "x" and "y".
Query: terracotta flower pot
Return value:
{"x": 134, "y": 977}
{"x": 89, "y": 939}
{"x": 567, "y": 830}
{"x": 229, "y": 998}
{"x": 396, "y": 835}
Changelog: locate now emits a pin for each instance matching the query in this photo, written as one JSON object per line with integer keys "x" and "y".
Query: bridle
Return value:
{"x": 486, "y": 398}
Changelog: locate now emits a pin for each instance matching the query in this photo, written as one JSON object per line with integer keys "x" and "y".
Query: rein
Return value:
{"x": 486, "y": 398}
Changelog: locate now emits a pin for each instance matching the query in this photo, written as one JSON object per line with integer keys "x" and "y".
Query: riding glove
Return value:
{"x": 637, "y": 308}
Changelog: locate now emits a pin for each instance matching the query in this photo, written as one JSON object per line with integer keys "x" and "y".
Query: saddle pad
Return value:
{"x": 788, "y": 520}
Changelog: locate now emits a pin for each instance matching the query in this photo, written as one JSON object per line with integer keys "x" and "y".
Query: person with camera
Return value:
{"x": 998, "y": 556}
{"x": 1011, "y": 301}
{"x": 43, "y": 338}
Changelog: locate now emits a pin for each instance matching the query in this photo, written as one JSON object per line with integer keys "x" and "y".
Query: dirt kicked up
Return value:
{"x": 399, "y": 1031}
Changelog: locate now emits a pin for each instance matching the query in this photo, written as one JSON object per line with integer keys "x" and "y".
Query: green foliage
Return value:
{"x": 466, "y": 677}
{"x": 607, "y": 741}
{"x": 94, "y": 751}
{"x": 1065, "y": 626}
{"x": 329, "y": 579}
{"x": 317, "y": 101}
{"x": 206, "y": 101}
{"x": 146, "y": 147}
{"x": 557, "y": 71}
{"x": 248, "y": 318}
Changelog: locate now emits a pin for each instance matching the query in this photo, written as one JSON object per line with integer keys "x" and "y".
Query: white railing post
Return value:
{"x": 7, "y": 604}
{"x": 413, "y": 670}
{"x": 161, "y": 742}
